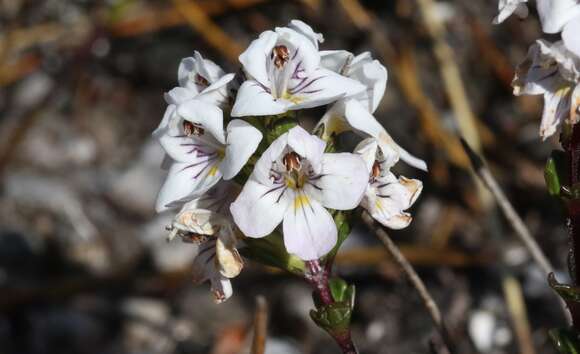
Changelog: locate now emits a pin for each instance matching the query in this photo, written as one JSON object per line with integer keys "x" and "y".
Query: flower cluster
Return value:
{"x": 239, "y": 164}
{"x": 551, "y": 69}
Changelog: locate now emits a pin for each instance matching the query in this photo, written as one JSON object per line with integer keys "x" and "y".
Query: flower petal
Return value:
{"x": 206, "y": 114}
{"x": 341, "y": 183}
{"x": 303, "y": 53}
{"x": 254, "y": 100}
{"x": 307, "y": 31}
{"x": 187, "y": 180}
{"x": 554, "y": 14}
{"x": 309, "y": 230}
{"x": 190, "y": 67}
{"x": 362, "y": 120}
{"x": 230, "y": 262}
{"x": 217, "y": 199}
{"x": 221, "y": 288}
{"x": 367, "y": 149}
{"x": 571, "y": 36}
{"x": 306, "y": 145}
{"x": 556, "y": 110}
{"x": 272, "y": 154}
{"x": 259, "y": 208}
{"x": 242, "y": 141}
{"x": 333, "y": 121}
{"x": 335, "y": 60}
{"x": 373, "y": 75}
{"x": 254, "y": 58}
{"x": 387, "y": 199}
{"x": 178, "y": 95}
{"x": 321, "y": 87}
{"x": 508, "y": 7}
{"x": 163, "y": 126}
{"x": 219, "y": 93}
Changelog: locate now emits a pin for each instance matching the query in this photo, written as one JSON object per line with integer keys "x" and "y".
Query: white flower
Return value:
{"x": 307, "y": 31}
{"x": 362, "y": 68}
{"x": 556, "y": 14}
{"x": 293, "y": 182}
{"x": 202, "y": 223}
{"x": 284, "y": 73}
{"x": 551, "y": 70}
{"x": 203, "y": 152}
{"x": 508, "y": 7}
{"x": 201, "y": 79}
{"x": 571, "y": 36}
{"x": 386, "y": 197}
{"x": 355, "y": 112}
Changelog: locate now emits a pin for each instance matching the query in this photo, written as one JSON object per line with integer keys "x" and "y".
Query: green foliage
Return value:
{"x": 565, "y": 340}
{"x": 556, "y": 174}
{"x": 270, "y": 251}
{"x": 335, "y": 317}
{"x": 342, "y": 221}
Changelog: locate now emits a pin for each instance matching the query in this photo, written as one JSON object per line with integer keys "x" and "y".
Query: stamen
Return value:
{"x": 280, "y": 55}
{"x": 201, "y": 81}
{"x": 376, "y": 170}
{"x": 292, "y": 161}
{"x": 191, "y": 129}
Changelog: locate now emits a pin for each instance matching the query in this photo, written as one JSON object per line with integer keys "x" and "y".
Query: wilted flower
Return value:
{"x": 205, "y": 222}
{"x": 386, "y": 197}
{"x": 294, "y": 181}
{"x": 553, "y": 71}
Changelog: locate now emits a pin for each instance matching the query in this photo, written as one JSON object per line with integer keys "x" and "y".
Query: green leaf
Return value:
{"x": 338, "y": 288}
{"x": 270, "y": 250}
{"x": 332, "y": 318}
{"x": 556, "y": 173}
{"x": 565, "y": 340}
{"x": 342, "y": 221}
{"x": 567, "y": 292}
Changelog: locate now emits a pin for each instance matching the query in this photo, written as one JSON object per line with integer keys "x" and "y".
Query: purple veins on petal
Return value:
{"x": 299, "y": 89}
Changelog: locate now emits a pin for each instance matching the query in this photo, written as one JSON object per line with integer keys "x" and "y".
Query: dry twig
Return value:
{"x": 511, "y": 215}
{"x": 517, "y": 308}
{"x": 414, "y": 279}
{"x": 260, "y": 326}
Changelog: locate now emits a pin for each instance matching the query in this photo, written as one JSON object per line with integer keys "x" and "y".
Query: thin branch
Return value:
{"x": 512, "y": 216}
{"x": 260, "y": 326}
{"x": 414, "y": 279}
{"x": 517, "y": 308}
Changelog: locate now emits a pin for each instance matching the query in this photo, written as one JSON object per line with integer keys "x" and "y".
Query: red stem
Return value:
{"x": 572, "y": 148}
{"x": 318, "y": 276}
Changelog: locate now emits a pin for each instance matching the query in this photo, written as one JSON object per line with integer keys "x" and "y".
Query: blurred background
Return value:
{"x": 84, "y": 266}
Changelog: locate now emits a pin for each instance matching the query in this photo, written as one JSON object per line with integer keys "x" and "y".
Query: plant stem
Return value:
{"x": 572, "y": 148}
{"x": 318, "y": 276}
{"x": 415, "y": 280}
